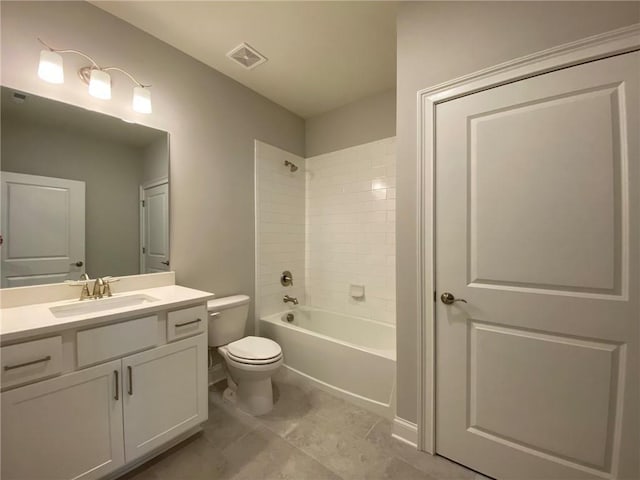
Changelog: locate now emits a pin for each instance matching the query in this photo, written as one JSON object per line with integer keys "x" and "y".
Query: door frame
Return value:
{"x": 592, "y": 48}
{"x": 141, "y": 216}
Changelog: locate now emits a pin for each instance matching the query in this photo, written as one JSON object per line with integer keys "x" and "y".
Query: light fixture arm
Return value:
{"x": 131, "y": 77}
{"x": 77, "y": 52}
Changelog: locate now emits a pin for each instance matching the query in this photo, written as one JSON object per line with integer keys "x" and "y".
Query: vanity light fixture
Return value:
{"x": 98, "y": 78}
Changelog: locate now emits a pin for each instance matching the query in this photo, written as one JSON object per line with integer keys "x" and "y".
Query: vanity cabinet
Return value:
{"x": 66, "y": 427}
{"x": 95, "y": 419}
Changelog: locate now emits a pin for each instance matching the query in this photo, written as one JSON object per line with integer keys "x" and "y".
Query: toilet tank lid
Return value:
{"x": 227, "y": 302}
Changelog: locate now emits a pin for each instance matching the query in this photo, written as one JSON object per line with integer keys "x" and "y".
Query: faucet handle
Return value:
{"x": 85, "y": 287}
{"x": 77, "y": 283}
{"x": 286, "y": 279}
{"x": 107, "y": 287}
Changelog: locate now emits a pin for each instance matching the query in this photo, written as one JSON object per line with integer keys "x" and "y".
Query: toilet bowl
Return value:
{"x": 250, "y": 361}
{"x": 251, "y": 389}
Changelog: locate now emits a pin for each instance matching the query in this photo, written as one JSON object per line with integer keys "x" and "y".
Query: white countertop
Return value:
{"x": 34, "y": 320}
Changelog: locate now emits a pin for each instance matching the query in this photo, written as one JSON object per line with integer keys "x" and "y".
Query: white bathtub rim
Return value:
{"x": 383, "y": 409}
{"x": 388, "y": 354}
{"x": 342, "y": 314}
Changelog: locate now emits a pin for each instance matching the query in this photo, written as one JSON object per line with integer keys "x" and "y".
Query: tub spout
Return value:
{"x": 287, "y": 299}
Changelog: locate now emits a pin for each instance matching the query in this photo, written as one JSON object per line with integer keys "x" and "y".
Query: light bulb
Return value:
{"x": 141, "y": 100}
{"x": 100, "y": 84}
{"x": 50, "y": 67}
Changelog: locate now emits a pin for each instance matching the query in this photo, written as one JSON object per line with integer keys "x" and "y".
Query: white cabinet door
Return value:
{"x": 165, "y": 394}
{"x": 538, "y": 209}
{"x": 43, "y": 228}
{"x": 68, "y": 427}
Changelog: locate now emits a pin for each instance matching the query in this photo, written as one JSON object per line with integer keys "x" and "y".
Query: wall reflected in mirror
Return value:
{"x": 82, "y": 192}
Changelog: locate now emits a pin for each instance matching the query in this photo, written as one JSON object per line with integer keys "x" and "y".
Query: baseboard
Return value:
{"x": 405, "y": 431}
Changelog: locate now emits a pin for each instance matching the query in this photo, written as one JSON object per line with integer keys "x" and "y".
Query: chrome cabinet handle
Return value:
{"x": 197, "y": 320}
{"x": 117, "y": 395}
{"x": 448, "y": 299}
{"x": 26, "y": 364}
{"x": 130, "y": 391}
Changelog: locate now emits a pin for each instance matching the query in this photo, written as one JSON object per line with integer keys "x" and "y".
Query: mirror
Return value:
{"x": 82, "y": 192}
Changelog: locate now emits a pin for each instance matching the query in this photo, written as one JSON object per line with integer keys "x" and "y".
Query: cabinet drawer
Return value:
{"x": 112, "y": 341}
{"x": 28, "y": 361}
{"x": 186, "y": 322}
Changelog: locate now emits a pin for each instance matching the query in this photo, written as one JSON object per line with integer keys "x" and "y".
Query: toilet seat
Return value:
{"x": 244, "y": 361}
{"x": 254, "y": 351}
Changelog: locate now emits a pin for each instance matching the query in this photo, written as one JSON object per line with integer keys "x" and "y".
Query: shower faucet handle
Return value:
{"x": 286, "y": 279}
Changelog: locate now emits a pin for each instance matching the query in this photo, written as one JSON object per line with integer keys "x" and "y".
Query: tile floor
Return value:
{"x": 309, "y": 435}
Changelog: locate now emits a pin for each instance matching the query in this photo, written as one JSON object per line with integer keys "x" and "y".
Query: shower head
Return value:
{"x": 292, "y": 166}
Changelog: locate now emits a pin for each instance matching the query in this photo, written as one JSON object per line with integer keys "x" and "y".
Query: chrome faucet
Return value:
{"x": 287, "y": 299}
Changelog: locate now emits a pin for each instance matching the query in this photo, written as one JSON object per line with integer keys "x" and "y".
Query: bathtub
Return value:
{"x": 353, "y": 356}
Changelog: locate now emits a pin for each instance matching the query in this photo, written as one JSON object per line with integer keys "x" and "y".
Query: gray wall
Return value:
{"x": 212, "y": 121}
{"x": 371, "y": 118}
{"x": 155, "y": 160}
{"x": 439, "y": 41}
{"x": 111, "y": 172}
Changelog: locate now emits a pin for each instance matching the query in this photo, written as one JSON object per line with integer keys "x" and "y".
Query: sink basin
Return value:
{"x": 100, "y": 305}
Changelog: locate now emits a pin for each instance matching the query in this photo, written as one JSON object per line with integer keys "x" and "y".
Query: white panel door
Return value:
{"x": 43, "y": 229}
{"x": 175, "y": 373}
{"x": 68, "y": 427}
{"x": 155, "y": 214}
{"x": 537, "y": 228}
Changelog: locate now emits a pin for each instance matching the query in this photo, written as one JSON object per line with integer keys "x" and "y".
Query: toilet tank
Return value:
{"x": 227, "y": 319}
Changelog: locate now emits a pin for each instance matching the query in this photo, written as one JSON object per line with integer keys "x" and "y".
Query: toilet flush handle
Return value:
{"x": 214, "y": 314}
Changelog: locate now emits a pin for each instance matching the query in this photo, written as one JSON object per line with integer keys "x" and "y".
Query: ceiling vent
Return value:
{"x": 246, "y": 56}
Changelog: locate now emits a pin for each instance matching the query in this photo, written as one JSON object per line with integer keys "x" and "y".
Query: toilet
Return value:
{"x": 250, "y": 361}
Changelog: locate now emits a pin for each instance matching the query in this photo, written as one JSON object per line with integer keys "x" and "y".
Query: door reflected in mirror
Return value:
{"x": 82, "y": 192}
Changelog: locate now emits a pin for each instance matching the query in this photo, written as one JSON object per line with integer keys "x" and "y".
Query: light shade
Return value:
{"x": 100, "y": 84}
{"x": 50, "y": 67}
{"x": 141, "y": 100}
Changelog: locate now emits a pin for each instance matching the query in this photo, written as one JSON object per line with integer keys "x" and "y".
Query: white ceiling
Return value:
{"x": 322, "y": 55}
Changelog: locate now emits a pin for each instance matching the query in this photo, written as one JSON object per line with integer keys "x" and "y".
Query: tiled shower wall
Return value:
{"x": 332, "y": 223}
{"x": 350, "y": 229}
{"x": 280, "y": 208}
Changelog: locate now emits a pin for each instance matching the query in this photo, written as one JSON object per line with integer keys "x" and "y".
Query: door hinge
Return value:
{"x": 143, "y": 203}
{"x": 144, "y": 250}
